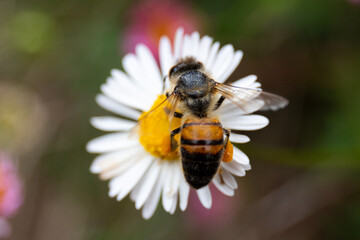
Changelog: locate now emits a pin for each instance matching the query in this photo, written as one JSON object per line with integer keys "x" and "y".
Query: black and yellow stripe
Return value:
{"x": 202, "y": 147}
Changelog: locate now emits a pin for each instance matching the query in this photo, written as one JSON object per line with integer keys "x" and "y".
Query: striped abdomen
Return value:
{"x": 201, "y": 147}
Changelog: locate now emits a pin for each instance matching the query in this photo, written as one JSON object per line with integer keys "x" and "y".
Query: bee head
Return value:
{"x": 184, "y": 65}
{"x": 189, "y": 79}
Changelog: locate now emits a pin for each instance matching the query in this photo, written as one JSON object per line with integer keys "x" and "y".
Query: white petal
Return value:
{"x": 137, "y": 167}
{"x": 149, "y": 177}
{"x": 153, "y": 200}
{"x": 222, "y": 62}
{"x": 123, "y": 184}
{"x": 117, "y": 170}
{"x": 246, "y": 122}
{"x": 256, "y": 85}
{"x": 108, "y": 161}
{"x": 123, "y": 91}
{"x": 234, "y": 63}
{"x": 166, "y": 174}
{"x": 125, "y": 98}
{"x": 133, "y": 69}
{"x": 230, "y": 110}
{"x": 125, "y": 86}
{"x": 111, "y": 142}
{"x": 117, "y": 108}
{"x": 211, "y": 58}
{"x": 175, "y": 187}
{"x": 184, "y": 193}
{"x": 171, "y": 185}
{"x": 175, "y": 181}
{"x": 167, "y": 83}
{"x": 247, "y": 167}
{"x": 178, "y": 43}
{"x": 166, "y": 58}
{"x": 195, "y": 44}
{"x": 229, "y": 179}
{"x": 205, "y": 44}
{"x": 239, "y": 138}
{"x": 174, "y": 203}
{"x": 146, "y": 185}
{"x": 120, "y": 168}
{"x": 204, "y": 196}
{"x": 222, "y": 186}
{"x": 112, "y": 123}
{"x": 116, "y": 187}
{"x": 240, "y": 156}
{"x": 234, "y": 168}
{"x": 187, "y": 48}
{"x": 153, "y": 80}
{"x": 247, "y": 82}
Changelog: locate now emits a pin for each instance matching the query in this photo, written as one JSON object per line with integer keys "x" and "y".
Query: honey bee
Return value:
{"x": 194, "y": 97}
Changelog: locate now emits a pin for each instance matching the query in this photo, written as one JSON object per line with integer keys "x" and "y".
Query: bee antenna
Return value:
{"x": 152, "y": 110}
{"x": 133, "y": 129}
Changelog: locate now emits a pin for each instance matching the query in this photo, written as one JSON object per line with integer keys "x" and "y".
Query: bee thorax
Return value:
{"x": 198, "y": 107}
{"x": 193, "y": 84}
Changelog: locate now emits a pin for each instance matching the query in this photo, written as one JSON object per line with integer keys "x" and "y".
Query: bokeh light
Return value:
{"x": 31, "y": 31}
{"x": 11, "y": 195}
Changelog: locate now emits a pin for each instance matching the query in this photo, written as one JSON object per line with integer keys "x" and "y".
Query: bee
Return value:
{"x": 194, "y": 97}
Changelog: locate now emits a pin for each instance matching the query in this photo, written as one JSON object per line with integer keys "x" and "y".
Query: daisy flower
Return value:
{"x": 144, "y": 165}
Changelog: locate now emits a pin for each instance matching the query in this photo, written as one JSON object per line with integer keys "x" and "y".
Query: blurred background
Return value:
{"x": 306, "y": 164}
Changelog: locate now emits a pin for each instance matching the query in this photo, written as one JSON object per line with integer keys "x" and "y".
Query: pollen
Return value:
{"x": 154, "y": 131}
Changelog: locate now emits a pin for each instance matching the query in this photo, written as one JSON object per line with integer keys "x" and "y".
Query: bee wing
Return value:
{"x": 171, "y": 106}
{"x": 248, "y": 99}
{"x": 168, "y": 105}
{"x": 154, "y": 109}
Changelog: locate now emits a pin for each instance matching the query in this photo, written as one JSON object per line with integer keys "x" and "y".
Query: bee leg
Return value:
{"x": 228, "y": 147}
{"x": 174, "y": 144}
{"x": 227, "y": 136}
{"x": 176, "y": 114}
{"x": 219, "y": 102}
{"x": 221, "y": 176}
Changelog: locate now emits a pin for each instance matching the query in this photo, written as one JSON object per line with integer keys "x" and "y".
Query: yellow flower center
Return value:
{"x": 154, "y": 131}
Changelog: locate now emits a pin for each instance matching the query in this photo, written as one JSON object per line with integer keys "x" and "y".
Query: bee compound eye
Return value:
{"x": 183, "y": 67}
{"x": 173, "y": 70}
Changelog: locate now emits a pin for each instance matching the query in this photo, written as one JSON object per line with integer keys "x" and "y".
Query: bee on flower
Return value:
{"x": 177, "y": 120}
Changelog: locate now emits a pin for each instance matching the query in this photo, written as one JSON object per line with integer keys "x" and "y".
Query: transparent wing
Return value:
{"x": 168, "y": 106}
{"x": 171, "y": 107}
{"x": 250, "y": 100}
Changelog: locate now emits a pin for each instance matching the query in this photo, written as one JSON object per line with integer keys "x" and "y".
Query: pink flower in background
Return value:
{"x": 354, "y": 2}
{"x": 151, "y": 19}
{"x": 10, "y": 193}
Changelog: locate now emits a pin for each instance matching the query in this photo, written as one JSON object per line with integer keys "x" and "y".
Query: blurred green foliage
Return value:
{"x": 31, "y": 31}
